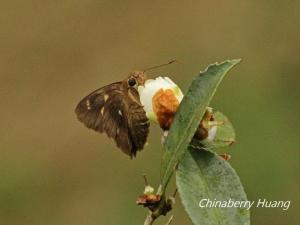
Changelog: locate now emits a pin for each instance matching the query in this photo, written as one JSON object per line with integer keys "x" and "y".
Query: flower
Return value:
{"x": 161, "y": 98}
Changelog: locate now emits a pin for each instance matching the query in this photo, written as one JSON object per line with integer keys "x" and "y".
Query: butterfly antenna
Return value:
{"x": 165, "y": 64}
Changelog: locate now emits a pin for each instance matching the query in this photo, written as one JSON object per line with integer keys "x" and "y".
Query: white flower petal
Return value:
{"x": 212, "y": 133}
{"x": 151, "y": 87}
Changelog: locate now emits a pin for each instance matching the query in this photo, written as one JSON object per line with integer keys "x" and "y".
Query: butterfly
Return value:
{"x": 116, "y": 110}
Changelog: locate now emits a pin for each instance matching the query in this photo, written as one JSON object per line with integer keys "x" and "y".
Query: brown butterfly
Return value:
{"x": 116, "y": 110}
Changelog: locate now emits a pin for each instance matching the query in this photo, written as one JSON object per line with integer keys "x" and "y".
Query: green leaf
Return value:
{"x": 189, "y": 115}
{"x": 205, "y": 175}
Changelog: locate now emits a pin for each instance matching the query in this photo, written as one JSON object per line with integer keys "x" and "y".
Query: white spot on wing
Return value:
{"x": 120, "y": 112}
{"x": 88, "y": 104}
{"x": 106, "y": 97}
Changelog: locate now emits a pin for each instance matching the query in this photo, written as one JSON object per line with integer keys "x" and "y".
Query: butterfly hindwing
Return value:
{"x": 111, "y": 110}
{"x": 139, "y": 125}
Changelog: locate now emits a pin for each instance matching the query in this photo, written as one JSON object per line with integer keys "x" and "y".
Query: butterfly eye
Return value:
{"x": 131, "y": 82}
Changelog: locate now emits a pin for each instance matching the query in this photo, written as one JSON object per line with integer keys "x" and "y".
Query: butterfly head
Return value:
{"x": 135, "y": 79}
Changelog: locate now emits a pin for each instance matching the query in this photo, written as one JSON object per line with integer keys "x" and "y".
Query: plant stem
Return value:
{"x": 170, "y": 220}
{"x": 149, "y": 219}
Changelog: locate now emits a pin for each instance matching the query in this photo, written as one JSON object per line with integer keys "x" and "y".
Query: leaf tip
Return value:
{"x": 235, "y": 61}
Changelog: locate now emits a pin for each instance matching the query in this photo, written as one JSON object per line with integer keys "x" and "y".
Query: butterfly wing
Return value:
{"x": 117, "y": 112}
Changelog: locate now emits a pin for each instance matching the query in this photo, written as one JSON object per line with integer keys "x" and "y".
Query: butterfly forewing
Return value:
{"x": 116, "y": 111}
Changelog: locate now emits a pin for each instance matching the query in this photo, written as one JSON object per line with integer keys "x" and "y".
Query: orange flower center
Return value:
{"x": 165, "y": 105}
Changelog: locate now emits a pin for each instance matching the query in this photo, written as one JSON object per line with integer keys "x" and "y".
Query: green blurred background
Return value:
{"x": 52, "y": 53}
